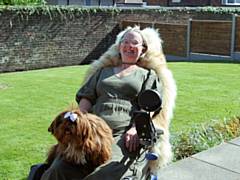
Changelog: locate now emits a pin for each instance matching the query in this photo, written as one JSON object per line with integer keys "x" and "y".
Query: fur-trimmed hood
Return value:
{"x": 154, "y": 59}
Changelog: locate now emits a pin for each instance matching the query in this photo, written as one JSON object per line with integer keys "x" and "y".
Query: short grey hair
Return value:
{"x": 122, "y": 34}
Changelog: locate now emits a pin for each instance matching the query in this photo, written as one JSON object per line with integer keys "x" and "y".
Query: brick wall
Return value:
{"x": 38, "y": 41}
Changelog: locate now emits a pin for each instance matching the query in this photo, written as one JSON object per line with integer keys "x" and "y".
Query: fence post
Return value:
{"x": 153, "y": 24}
{"x": 233, "y": 36}
{"x": 189, "y": 39}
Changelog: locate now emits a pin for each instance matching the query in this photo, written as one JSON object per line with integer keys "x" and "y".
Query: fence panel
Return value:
{"x": 174, "y": 38}
{"x": 211, "y": 37}
{"x": 237, "y": 40}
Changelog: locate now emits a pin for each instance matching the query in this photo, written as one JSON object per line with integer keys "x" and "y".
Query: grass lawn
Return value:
{"x": 30, "y": 100}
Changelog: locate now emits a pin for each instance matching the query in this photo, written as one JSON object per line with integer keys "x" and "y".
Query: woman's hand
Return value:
{"x": 131, "y": 139}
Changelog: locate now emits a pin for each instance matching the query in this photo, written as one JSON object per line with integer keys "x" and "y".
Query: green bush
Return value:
{"x": 204, "y": 137}
{"x": 22, "y": 2}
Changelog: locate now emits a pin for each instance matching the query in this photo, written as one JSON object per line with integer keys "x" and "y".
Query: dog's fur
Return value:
{"x": 154, "y": 59}
{"x": 85, "y": 142}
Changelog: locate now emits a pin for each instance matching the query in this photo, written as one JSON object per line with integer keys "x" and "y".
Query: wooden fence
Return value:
{"x": 174, "y": 38}
{"x": 211, "y": 37}
{"x": 237, "y": 46}
{"x": 198, "y": 36}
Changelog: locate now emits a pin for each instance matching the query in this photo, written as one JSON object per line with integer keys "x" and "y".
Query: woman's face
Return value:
{"x": 131, "y": 47}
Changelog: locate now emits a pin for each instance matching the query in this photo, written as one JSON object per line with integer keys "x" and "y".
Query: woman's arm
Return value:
{"x": 85, "y": 105}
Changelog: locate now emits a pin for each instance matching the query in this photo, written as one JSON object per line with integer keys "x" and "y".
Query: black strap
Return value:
{"x": 145, "y": 82}
{"x": 135, "y": 100}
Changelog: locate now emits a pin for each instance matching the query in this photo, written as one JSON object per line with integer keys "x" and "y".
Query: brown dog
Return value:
{"x": 83, "y": 139}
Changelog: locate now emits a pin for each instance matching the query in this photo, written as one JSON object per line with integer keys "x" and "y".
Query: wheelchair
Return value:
{"x": 148, "y": 101}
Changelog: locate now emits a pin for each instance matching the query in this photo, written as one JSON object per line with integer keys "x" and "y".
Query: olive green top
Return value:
{"x": 115, "y": 98}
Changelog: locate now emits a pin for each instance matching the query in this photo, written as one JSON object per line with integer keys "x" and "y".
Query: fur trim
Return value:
{"x": 154, "y": 59}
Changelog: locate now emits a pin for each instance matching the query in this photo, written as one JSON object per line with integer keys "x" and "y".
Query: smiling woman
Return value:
{"x": 134, "y": 63}
{"x": 131, "y": 47}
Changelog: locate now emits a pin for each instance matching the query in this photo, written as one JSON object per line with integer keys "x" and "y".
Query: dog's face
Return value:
{"x": 63, "y": 128}
{"x": 82, "y": 137}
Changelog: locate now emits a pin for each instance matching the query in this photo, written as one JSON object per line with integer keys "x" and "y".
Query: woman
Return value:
{"x": 134, "y": 63}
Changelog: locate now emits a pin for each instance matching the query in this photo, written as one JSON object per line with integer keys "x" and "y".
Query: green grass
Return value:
{"x": 30, "y": 100}
{"x": 206, "y": 91}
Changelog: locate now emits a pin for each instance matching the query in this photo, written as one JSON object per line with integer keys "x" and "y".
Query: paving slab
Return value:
{"x": 236, "y": 141}
{"x": 193, "y": 169}
{"x": 226, "y": 156}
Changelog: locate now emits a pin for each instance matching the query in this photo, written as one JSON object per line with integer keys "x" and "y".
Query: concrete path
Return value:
{"x": 219, "y": 163}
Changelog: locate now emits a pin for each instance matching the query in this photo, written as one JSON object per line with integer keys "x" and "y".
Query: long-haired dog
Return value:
{"x": 83, "y": 139}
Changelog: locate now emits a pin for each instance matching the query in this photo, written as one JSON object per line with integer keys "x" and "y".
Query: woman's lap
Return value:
{"x": 119, "y": 166}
